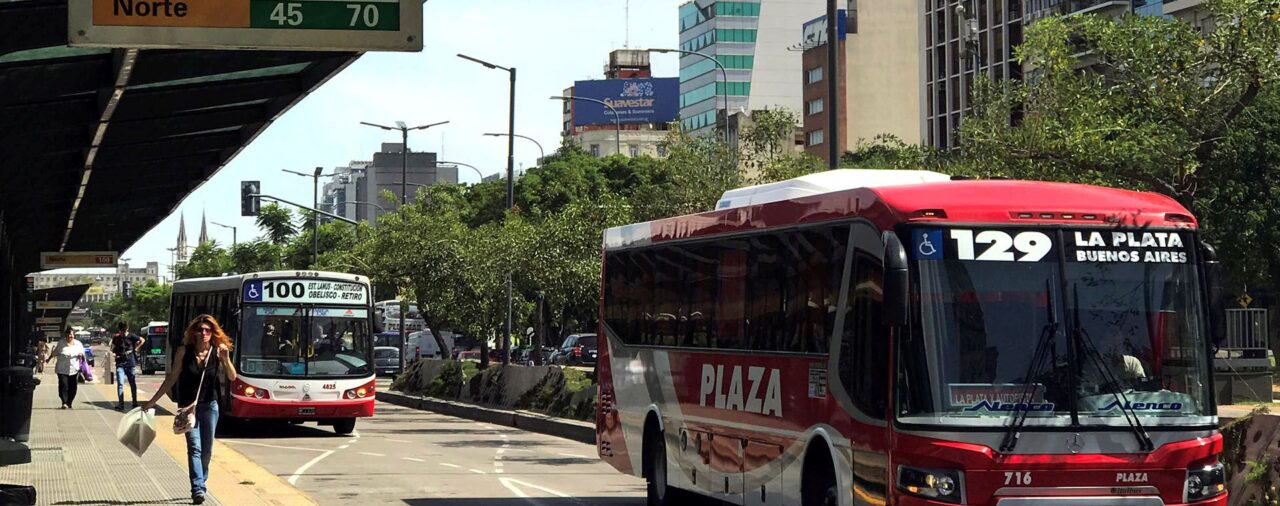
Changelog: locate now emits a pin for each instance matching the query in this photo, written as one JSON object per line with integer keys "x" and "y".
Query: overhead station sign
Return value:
{"x": 319, "y": 25}
{"x": 58, "y": 260}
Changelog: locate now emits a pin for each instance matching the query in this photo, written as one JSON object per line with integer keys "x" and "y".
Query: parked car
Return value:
{"x": 386, "y": 360}
{"x": 577, "y": 349}
{"x": 472, "y": 355}
{"x": 495, "y": 355}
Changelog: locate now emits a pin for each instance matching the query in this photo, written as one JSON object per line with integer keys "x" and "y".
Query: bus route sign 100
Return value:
{"x": 305, "y": 291}
{"x": 334, "y": 25}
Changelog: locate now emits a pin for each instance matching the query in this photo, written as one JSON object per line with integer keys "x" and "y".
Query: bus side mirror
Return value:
{"x": 1214, "y": 286}
{"x": 897, "y": 304}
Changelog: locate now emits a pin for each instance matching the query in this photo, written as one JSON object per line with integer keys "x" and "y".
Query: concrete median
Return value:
{"x": 574, "y": 430}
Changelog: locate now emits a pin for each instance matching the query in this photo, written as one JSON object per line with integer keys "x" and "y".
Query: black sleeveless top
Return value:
{"x": 189, "y": 377}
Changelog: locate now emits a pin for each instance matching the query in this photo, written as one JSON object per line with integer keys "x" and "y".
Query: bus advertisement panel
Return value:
{"x": 951, "y": 342}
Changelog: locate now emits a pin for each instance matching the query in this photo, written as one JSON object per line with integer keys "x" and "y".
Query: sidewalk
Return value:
{"x": 75, "y": 458}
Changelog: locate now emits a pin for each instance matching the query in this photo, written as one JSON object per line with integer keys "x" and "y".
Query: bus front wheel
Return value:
{"x": 344, "y": 426}
{"x": 818, "y": 481}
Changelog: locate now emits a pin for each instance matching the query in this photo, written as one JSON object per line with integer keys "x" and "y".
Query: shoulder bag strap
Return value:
{"x": 203, "y": 370}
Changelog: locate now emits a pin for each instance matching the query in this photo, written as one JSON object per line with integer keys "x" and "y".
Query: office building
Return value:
{"x": 878, "y": 70}
{"x": 104, "y": 284}
{"x": 355, "y": 191}
{"x": 961, "y": 37}
{"x": 752, "y": 40}
{"x": 646, "y": 107}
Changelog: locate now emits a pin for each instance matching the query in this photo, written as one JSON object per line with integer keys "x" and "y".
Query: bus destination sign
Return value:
{"x": 334, "y": 25}
{"x": 306, "y": 291}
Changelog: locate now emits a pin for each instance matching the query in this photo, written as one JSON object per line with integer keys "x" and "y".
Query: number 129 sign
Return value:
{"x": 981, "y": 245}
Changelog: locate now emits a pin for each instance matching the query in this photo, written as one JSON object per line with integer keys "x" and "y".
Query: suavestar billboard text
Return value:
{"x": 655, "y": 100}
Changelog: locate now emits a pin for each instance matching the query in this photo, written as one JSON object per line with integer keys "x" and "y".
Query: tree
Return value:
{"x": 150, "y": 303}
{"x": 277, "y": 223}
{"x": 208, "y": 260}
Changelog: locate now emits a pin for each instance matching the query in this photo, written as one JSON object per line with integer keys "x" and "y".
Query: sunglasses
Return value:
{"x": 206, "y": 330}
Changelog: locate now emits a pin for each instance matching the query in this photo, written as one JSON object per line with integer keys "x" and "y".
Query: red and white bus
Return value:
{"x": 303, "y": 343}
{"x": 896, "y": 337}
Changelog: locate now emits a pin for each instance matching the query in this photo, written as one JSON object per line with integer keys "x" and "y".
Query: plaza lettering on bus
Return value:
{"x": 754, "y": 399}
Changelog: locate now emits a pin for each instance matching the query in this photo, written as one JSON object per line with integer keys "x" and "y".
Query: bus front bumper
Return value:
{"x": 242, "y": 407}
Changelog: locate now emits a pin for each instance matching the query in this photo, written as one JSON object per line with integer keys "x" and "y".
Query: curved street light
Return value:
{"x": 542, "y": 152}
{"x": 404, "y": 149}
{"x": 460, "y": 164}
{"x": 724, "y": 73}
{"x": 617, "y": 120}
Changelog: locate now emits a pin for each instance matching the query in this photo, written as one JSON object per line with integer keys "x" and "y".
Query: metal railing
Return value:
{"x": 1246, "y": 329}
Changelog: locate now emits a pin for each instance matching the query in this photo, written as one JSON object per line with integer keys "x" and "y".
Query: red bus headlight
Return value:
{"x": 360, "y": 392}
{"x": 243, "y": 389}
{"x": 936, "y": 484}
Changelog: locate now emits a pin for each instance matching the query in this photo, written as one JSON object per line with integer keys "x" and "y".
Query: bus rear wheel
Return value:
{"x": 657, "y": 491}
{"x": 344, "y": 426}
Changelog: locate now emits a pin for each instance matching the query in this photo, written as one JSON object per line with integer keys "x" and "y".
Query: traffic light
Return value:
{"x": 126, "y": 289}
{"x": 248, "y": 202}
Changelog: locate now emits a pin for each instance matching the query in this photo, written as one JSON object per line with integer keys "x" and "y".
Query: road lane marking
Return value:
{"x": 573, "y": 456}
{"x": 372, "y": 454}
{"x": 500, "y": 450}
{"x": 351, "y": 441}
{"x": 273, "y": 446}
{"x": 495, "y": 464}
{"x": 398, "y": 440}
{"x": 477, "y": 471}
{"x": 455, "y": 466}
{"x": 343, "y": 447}
{"x": 413, "y": 459}
{"x": 498, "y": 471}
{"x": 508, "y": 482}
{"x": 293, "y": 479}
{"x": 503, "y": 436}
{"x": 356, "y": 434}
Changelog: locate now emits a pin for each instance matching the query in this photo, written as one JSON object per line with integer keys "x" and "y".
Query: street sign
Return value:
{"x": 1245, "y": 300}
{"x": 48, "y": 320}
{"x": 31, "y": 283}
{"x": 58, "y": 260}
{"x": 320, "y": 25}
{"x": 53, "y": 334}
{"x": 53, "y": 304}
{"x": 50, "y": 328}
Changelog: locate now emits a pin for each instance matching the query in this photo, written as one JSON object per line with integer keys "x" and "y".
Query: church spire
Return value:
{"x": 181, "y": 250}
{"x": 204, "y": 229}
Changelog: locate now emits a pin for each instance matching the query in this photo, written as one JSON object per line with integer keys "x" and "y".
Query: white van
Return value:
{"x": 422, "y": 344}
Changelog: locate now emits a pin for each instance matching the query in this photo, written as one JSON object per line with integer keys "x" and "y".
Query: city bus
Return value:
{"x": 155, "y": 338}
{"x": 898, "y": 337}
{"x": 303, "y": 343}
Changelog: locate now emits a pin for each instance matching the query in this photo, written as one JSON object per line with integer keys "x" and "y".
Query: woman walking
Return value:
{"x": 42, "y": 354}
{"x": 69, "y": 353}
{"x": 204, "y": 356}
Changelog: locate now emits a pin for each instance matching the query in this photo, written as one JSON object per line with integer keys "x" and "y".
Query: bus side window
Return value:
{"x": 864, "y": 353}
{"x": 732, "y": 311}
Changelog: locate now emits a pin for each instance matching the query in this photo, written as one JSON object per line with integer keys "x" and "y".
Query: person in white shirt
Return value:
{"x": 69, "y": 353}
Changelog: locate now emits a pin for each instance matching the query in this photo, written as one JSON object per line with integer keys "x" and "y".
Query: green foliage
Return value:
{"x": 150, "y": 303}
{"x": 277, "y": 223}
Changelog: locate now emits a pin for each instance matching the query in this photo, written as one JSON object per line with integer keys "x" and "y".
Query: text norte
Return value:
{"x": 764, "y": 401}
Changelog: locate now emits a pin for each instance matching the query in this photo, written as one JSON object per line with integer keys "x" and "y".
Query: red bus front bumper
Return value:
{"x": 242, "y": 407}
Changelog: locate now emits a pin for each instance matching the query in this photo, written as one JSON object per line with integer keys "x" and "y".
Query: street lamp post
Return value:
{"x": 315, "y": 204}
{"x": 542, "y": 153}
{"x": 511, "y": 171}
{"x": 467, "y": 165}
{"x": 724, "y": 73}
{"x": 233, "y": 231}
{"x": 617, "y": 120}
{"x": 404, "y": 150}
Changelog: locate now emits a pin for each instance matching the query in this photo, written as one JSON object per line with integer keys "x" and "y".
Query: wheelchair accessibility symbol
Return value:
{"x": 253, "y": 291}
{"x": 927, "y": 244}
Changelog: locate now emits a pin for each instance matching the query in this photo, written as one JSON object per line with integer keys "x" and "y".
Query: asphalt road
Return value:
{"x": 405, "y": 456}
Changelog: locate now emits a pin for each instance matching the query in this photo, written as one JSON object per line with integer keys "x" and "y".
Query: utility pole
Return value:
{"x": 833, "y": 90}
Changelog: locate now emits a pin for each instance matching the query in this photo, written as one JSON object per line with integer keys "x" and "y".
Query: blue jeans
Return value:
{"x": 200, "y": 445}
{"x": 122, "y": 372}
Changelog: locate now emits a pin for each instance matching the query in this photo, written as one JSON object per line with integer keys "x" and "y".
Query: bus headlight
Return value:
{"x": 1205, "y": 482}
{"x": 937, "y": 484}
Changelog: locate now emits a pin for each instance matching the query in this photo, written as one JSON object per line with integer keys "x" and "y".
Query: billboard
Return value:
{"x": 654, "y": 100}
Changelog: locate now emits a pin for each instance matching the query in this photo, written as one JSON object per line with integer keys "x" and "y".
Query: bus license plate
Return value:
{"x": 306, "y": 411}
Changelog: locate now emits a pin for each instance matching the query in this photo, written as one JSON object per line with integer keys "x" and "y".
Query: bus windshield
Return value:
{"x": 288, "y": 341}
{"x": 1054, "y": 323}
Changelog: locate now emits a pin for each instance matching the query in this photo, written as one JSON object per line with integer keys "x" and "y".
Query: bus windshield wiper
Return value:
{"x": 1045, "y": 347}
{"x": 1090, "y": 350}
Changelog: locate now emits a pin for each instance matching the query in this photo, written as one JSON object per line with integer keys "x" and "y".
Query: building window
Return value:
{"x": 815, "y": 75}
{"x": 815, "y": 106}
{"x": 595, "y": 150}
{"x": 815, "y": 137}
{"x": 634, "y": 149}
{"x": 662, "y": 150}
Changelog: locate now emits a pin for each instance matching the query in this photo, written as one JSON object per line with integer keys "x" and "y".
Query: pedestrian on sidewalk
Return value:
{"x": 69, "y": 353}
{"x": 125, "y": 346}
{"x": 204, "y": 358}
{"x": 42, "y": 354}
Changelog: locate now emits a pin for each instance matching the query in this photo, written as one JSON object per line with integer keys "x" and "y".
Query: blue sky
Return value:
{"x": 550, "y": 42}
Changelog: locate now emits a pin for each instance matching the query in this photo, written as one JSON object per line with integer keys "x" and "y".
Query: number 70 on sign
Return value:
{"x": 325, "y": 15}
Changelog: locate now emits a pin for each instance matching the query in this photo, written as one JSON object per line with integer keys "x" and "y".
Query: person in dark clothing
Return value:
{"x": 125, "y": 346}
{"x": 203, "y": 359}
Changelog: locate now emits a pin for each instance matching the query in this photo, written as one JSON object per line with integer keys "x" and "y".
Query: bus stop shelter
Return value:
{"x": 98, "y": 145}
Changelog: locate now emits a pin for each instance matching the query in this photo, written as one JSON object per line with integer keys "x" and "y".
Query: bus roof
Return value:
{"x": 969, "y": 201}
{"x": 235, "y": 281}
